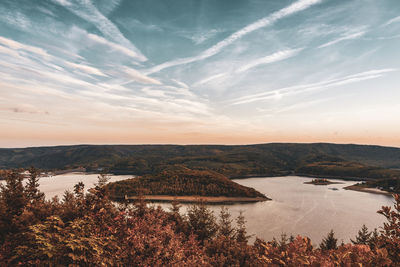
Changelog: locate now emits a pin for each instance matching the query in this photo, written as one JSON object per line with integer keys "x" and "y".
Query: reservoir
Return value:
{"x": 306, "y": 209}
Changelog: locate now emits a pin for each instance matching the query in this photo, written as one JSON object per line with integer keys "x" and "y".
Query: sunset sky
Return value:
{"x": 199, "y": 71}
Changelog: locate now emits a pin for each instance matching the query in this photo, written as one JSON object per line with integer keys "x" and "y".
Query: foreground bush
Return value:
{"x": 89, "y": 230}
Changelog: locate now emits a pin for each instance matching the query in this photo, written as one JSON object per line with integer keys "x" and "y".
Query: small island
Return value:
{"x": 321, "y": 181}
{"x": 184, "y": 185}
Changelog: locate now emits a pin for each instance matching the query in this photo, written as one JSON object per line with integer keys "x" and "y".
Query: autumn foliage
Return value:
{"x": 181, "y": 181}
{"x": 87, "y": 229}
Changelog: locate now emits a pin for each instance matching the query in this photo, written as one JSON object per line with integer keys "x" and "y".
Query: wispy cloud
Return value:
{"x": 19, "y": 46}
{"x": 261, "y": 23}
{"x": 85, "y": 68}
{"x": 25, "y": 108}
{"x": 347, "y": 36}
{"x": 89, "y": 39}
{"x": 362, "y": 76}
{"x": 211, "y": 78}
{"x": 393, "y": 20}
{"x": 201, "y": 37}
{"x": 139, "y": 77}
{"x": 15, "y": 19}
{"x": 299, "y": 105}
{"x": 275, "y": 57}
{"x": 153, "y": 92}
{"x": 113, "y": 45}
{"x": 86, "y": 10}
{"x": 182, "y": 84}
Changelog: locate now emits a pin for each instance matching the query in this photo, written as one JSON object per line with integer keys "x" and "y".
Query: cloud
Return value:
{"x": 85, "y": 68}
{"x": 15, "y": 19}
{"x": 362, "y": 76}
{"x": 182, "y": 84}
{"x": 348, "y": 36}
{"x": 261, "y": 23}
{"x": 8, "y": 51}
{"x": 26, "y": 109}
{"x": 151, "y": 92}
{"x": 211, "y": 78}
{"x": 19, "y": 46}
{"x": 275, "y": 57}
{"x": 139, "y": 77}
{"x": 201, "y": 37}
{"x": 63, "y": 2}
{"x": 296, "y": 106}
{"x": 86, "y": 10}
{"x": 116, "y": 47}
{"x": 393, "y": 20}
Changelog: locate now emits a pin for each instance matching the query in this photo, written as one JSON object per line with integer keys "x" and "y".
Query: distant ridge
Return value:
{"x": 231, "y": 160}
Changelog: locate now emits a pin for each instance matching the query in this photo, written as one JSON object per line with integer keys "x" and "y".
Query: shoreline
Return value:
{"x": 80, "y": 171}
{"x": 367, "y": 190}
{"x": 320, "y": 183}
{"x": 196, "y": 199}
{"x": 346, "y": 178}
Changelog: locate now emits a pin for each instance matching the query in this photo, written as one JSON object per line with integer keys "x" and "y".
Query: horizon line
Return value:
{"x": 194, "y": 144}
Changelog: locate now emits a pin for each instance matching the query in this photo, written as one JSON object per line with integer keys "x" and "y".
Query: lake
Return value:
{"x": 56, "y": 185}
{"x": 295, "y": 208}
{"x": 308, "y": 210}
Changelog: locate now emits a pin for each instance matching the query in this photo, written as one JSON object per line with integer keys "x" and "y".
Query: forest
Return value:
{"x": 181, "y": 181}
{"x": 273, "y": 159}
{"x": 87, "y": 229}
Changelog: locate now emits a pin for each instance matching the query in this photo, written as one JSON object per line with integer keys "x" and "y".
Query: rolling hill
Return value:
{"x": 232, "y": 161}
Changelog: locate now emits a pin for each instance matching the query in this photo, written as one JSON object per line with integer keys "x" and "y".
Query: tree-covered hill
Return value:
{"x": 232, "y": 161}
{"x": 181, "y": 181}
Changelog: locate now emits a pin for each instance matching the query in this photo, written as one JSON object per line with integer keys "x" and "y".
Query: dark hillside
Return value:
{"x": 232, "y": 161}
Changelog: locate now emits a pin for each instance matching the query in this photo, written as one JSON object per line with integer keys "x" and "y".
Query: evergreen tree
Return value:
{"x": 329, "y": 242}
{"x": 225, "y": 223}
{"x": 241, "y": 233}
{"x": 32, "y": 186}
{"x": 12, "y": 204}
{"x": 102, "y": 179}
{"x": 201, "y": 222}
{"x": 373, "y": 241}
{"x": 79, "y": 190}
{"x": 363, "y": 237}
{"x": 13, "y": 194}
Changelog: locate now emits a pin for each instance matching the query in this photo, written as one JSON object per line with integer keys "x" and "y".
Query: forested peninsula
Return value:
{"x": 184, "y": 185}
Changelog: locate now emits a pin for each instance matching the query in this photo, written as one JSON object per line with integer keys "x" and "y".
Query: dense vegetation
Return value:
{"x": 232, "y": 161}
{"x": 347, "y": 169}
{"x": 181, "y": 181}
{"x": 88, "y": 230}
{"x": 391, "y": 185}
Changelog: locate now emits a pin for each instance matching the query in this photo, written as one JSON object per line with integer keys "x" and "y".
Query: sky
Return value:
{"x": 199, "y": 72}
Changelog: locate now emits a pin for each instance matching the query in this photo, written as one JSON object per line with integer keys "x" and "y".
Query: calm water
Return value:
{"x": 296, "y": 208}
{"x": 56, "y": 185}
{"x": 308, "y": 210}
